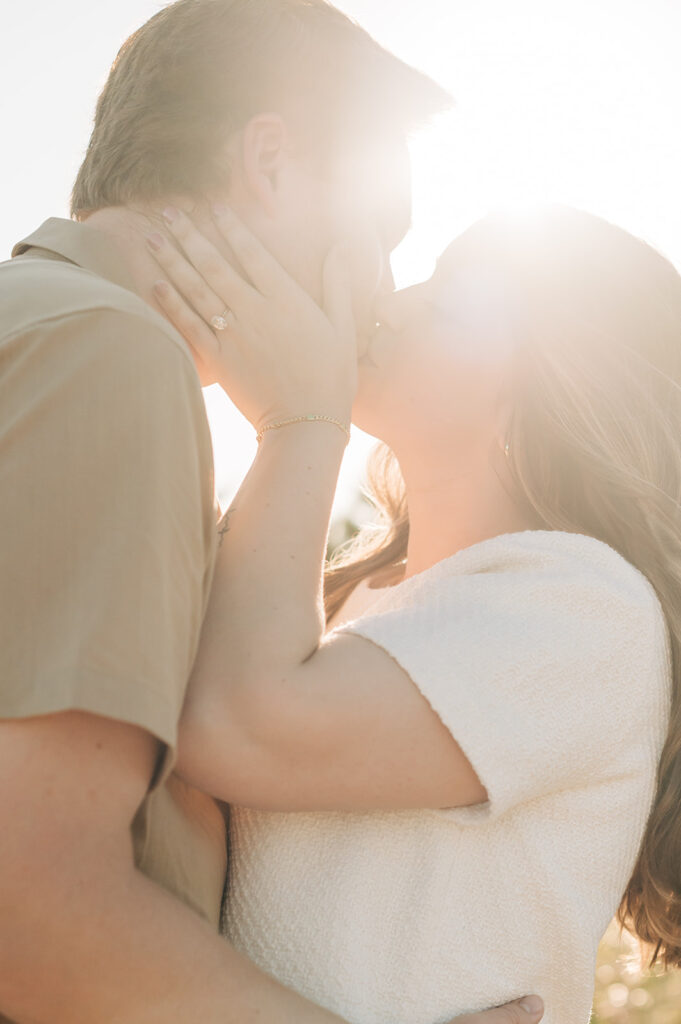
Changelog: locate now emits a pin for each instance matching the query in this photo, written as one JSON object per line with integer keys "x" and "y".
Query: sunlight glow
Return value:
{"x": 570, "y": 101}
{"x": 573, "y": 101}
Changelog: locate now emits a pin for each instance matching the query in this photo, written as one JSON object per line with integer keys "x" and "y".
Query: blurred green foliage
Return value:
{"x": 625, "y": 993}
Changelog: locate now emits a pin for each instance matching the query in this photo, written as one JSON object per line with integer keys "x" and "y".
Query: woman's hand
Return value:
{"x": 265, "y": 340}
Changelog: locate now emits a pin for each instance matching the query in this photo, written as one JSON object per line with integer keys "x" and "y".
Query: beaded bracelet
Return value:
{"x": 303, "y": 419}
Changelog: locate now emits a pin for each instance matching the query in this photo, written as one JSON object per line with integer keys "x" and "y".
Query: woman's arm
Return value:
{"x": 277, "y": 716}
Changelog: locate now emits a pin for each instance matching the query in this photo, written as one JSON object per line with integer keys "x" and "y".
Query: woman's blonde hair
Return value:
{"x": 594, "y": 447}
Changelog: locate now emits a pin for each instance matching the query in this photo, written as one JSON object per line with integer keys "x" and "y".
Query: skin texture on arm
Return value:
{"x": 275, "y": 717}
{"x": 84, "y": 936}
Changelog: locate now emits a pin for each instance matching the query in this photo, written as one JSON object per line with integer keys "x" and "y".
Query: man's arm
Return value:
{"x": 84, "y": 936}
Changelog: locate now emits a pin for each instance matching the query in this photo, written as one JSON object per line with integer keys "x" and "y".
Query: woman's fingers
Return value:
{"x": 529, "y": 1010}
{"x": 211, "y": 269}
{"x": 191, "y": 326}
{"x": 277, "y": 351}
{"x": 266, "y": 273}
{"x": 187, "y": 280}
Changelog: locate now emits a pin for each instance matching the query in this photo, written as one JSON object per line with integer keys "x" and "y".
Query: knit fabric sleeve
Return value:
{"x": 545, "y": 655}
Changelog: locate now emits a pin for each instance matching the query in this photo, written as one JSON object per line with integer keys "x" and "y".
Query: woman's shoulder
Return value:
{"x": 537, "y": 575}
{"x": 544, "y": 554}
{"x": 569, "y": 563}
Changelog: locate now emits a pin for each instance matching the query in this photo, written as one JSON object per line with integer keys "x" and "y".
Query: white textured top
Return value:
{"x": 546, "y": 655}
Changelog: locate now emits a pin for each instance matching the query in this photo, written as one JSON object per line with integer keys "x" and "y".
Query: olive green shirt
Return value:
{"x": 107, "y": 523}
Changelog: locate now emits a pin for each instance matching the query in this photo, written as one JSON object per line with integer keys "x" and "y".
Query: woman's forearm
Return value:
{"x": 265, "y": 615}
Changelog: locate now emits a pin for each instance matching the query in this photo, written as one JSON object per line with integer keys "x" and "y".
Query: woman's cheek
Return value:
{"x": 445, "y": 378}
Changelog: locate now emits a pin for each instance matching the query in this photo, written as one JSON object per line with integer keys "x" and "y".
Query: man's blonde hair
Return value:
{"x": 200, "y": 69}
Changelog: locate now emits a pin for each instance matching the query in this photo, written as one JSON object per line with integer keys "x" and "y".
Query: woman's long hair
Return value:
{"x": 594, "y": 447}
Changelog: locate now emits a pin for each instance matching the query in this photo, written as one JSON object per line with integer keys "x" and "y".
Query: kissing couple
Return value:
{"x": 245, "y": 784}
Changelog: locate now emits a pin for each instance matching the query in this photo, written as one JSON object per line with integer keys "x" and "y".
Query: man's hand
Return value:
{"x": 528, "y": 1010}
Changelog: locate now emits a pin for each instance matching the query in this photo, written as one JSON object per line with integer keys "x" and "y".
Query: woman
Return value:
{"x": 470, "y": 755}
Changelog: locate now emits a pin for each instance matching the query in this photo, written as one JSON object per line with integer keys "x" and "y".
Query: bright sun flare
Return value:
{"x": 566, "y": 102}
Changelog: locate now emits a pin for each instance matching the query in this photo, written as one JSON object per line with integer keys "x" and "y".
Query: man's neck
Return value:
{"x": 127, "y": 228}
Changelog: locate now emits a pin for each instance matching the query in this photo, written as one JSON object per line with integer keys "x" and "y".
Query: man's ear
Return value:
{"x": 265, "y": 145}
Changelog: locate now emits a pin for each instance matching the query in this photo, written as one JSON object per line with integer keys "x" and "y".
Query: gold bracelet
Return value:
{"x": 303, "y": 419}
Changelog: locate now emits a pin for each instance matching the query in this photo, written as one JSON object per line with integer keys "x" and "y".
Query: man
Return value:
{"x": 111, "y": 870}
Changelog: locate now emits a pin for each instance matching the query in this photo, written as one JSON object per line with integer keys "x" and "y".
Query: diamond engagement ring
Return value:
{"x": 221, "y": 323}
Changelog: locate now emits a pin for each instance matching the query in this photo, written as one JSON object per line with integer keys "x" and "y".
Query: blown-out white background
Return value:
{"x": 574, "y": 100}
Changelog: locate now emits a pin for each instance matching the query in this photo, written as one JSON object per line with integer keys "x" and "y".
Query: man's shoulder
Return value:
{"x": 44, "y": 294}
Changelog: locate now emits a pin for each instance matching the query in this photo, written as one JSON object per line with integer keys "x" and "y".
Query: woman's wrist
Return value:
{"x": 340, "y": 423}
{"x": 319, "y": 434}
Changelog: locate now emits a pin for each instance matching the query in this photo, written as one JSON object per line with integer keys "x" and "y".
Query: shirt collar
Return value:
{"x": 78, "y": 244}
